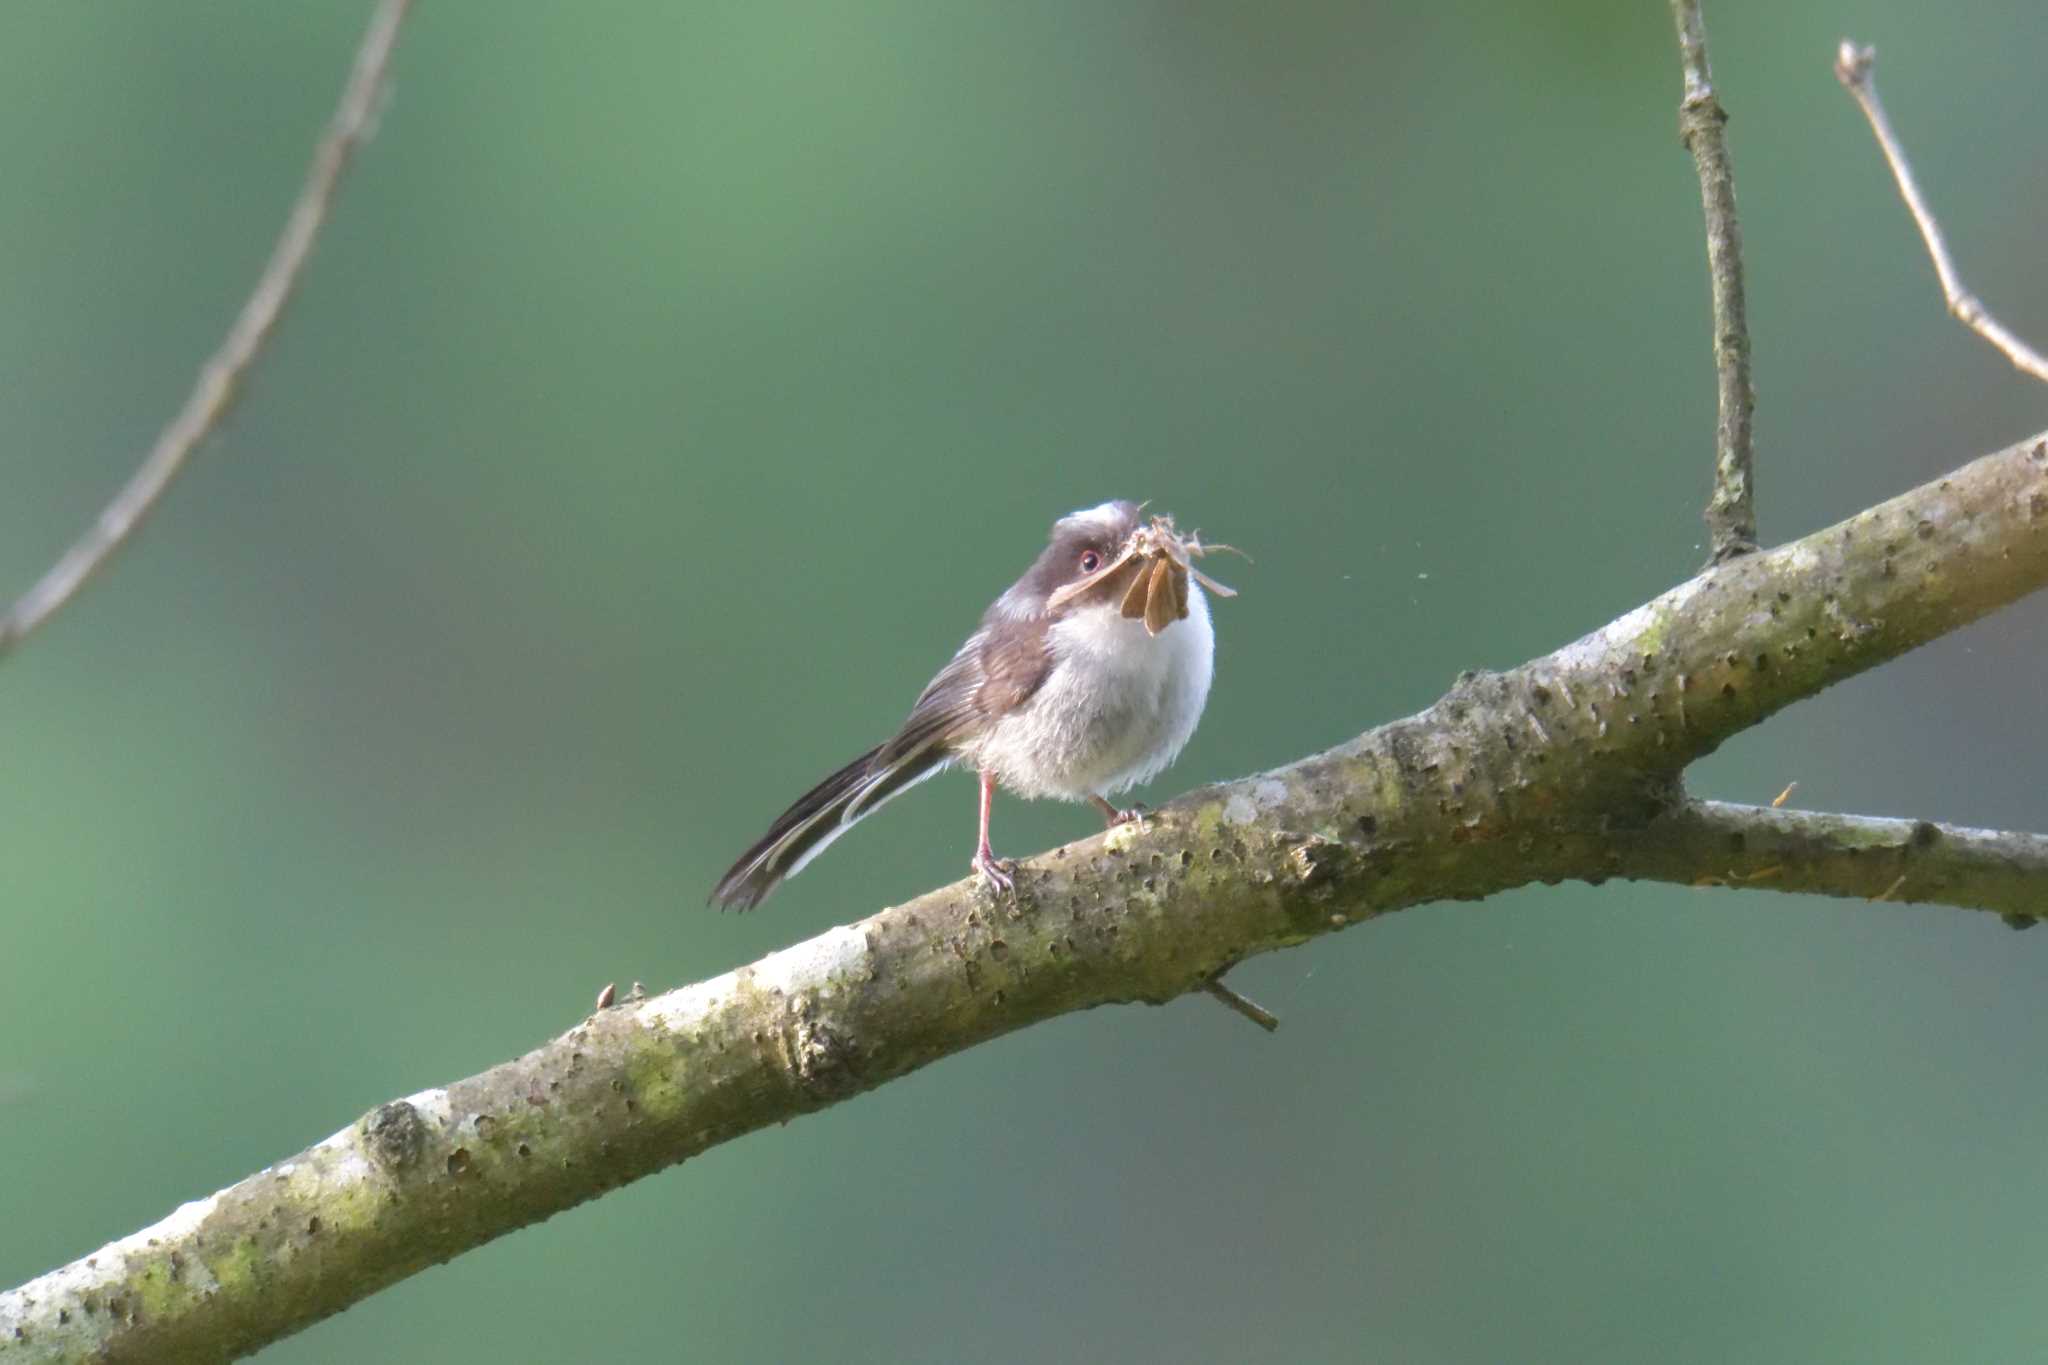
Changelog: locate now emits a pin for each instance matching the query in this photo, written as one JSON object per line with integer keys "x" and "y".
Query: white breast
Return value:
{"x": 1117, "y": 707}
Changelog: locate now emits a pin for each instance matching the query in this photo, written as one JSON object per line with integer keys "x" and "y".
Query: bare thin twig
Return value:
{"x": 1731, "y": 511}
{"x": 1856, "y": 69}
{"x": 220, "y": 381}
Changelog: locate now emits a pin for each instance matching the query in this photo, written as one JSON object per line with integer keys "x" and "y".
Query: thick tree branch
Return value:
{"x": 222, "y": 377}
{"x": 1731, "y": 510}
{"x": 1856, "y": 69}
{"x": 1713, "y": 843}
{"x": 1567, "y": 767}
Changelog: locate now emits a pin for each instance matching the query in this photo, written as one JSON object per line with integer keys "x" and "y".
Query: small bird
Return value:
{"x": 1085, "y": 677}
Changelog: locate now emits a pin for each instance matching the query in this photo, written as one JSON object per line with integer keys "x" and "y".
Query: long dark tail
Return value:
{"x": 818, "y": 817}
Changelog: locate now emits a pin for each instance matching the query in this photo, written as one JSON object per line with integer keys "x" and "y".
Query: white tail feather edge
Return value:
{"x": 851, "y": 814}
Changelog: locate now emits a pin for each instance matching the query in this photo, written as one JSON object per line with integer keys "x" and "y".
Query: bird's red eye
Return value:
{"x": 1090, "y": 561}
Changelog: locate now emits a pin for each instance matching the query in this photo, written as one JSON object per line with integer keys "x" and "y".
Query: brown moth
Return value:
{"x": 1145, "y": 574}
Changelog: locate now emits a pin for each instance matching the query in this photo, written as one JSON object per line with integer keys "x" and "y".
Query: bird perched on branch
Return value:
{"x": 1086, "y": 677}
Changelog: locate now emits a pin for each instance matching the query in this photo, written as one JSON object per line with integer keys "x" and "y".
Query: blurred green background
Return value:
{"x": 674, "y": 386}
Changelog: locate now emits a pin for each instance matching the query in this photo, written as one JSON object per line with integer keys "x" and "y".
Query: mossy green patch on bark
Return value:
{"x": 1566, "y": 767}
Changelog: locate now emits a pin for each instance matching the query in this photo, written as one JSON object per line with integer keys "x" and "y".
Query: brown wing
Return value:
{"x": 945, "y": 709}
{"x": 996, "y": 671}
{"x": 1014, "y": 664}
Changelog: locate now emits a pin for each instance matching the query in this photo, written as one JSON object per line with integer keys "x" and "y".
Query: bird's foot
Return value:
{"x": 997, "y": 874}
{"x": 1112, "y": 816}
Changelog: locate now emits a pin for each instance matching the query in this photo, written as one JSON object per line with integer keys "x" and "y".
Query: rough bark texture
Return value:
{"x": 1714, "y": 843}
{"x": 1567, "y": 767}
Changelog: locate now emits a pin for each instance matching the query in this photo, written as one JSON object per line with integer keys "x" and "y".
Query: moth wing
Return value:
{"x": 1159, "y": 598}
{"x": 1134, "y": 596}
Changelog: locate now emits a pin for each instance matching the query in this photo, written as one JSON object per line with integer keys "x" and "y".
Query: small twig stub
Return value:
{"x": 1250, "y": 1009}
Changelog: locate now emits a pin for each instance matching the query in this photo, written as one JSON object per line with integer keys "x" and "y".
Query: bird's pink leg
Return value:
{"x": 994, "y": 871}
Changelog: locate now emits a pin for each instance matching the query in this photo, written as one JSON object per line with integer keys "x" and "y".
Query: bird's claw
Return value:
{"x": 996, "y": 873}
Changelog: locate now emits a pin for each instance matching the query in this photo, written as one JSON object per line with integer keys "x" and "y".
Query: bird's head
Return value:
{"x": 1114, "y": 557}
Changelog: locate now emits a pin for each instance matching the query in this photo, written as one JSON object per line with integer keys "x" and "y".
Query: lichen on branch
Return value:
{"x": 1566, "y": 767}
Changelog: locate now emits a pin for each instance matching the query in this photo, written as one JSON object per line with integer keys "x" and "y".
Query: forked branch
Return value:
{"x": 1568, "y": 767}
{"x": 1565, "y": 768}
